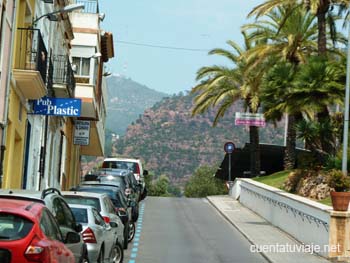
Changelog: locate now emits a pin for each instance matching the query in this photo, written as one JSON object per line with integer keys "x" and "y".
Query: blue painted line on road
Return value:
{"x": 136, "y": 243}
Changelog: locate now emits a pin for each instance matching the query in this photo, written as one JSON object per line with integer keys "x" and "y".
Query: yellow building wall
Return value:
{"x": 16, "y": 130}
{"x": 72, "y": 158}
{"x": 15, "y": 138}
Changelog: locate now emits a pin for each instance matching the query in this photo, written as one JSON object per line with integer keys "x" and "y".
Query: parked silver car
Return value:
{"x": 100, "y": 237}
{"x": 104, "y": 206}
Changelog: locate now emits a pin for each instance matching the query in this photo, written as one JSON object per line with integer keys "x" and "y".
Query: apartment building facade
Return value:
{"x": 51, "y": 41}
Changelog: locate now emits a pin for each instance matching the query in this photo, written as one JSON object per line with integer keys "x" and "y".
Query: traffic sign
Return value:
{"x": 229, "y": 147}
{"x": 250, "y": 119}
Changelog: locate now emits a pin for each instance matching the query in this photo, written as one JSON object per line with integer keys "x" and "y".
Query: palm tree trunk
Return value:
{"x": 289, "y": 152}
{"x": 321, "y": 22}
{"x": 254, "y": 151}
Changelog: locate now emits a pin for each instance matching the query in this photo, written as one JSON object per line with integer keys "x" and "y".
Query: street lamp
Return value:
{"x": 52, "y": 16}
{"x": 346, "y": 113}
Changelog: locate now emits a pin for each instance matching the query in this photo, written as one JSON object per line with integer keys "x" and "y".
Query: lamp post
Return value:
{"x": 346, "y": 113}
{"x": 66, "y": 9}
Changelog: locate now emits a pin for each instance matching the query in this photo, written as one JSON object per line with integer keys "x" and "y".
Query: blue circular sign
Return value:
{"x": 229, "y": 147}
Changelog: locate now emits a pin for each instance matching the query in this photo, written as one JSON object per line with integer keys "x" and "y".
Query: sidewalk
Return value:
{"x": 260, "y": 233}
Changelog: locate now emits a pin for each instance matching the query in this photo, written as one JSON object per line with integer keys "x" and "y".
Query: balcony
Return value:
{"x": 30, "y": 63}
{"x": 91, "y": 6}
{"x": 63, "y": 77}
{"x": 86, "y": 93}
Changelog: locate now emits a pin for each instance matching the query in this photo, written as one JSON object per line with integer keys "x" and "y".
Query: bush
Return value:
{"x": 203, "y": 183}
{"x": 338, "y": 181}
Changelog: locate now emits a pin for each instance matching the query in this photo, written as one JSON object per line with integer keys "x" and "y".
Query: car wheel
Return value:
{"x": 126, "y": 236}
{"x": 117, "y": 253}
{"x": 85, "y": 258}
{"x": 101, "y": 256}
{"x": 131, "y": 231}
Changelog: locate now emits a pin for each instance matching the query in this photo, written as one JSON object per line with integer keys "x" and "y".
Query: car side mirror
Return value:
{"x": 78, "y": 228}
{"x": 72, "y": 238}
{"x": 113, "y": 224}
{"x": 145, "y": 172}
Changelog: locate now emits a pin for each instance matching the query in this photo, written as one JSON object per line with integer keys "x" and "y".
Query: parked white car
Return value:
{"x": 104, "y": 206}
{"x": 100, "y": 237}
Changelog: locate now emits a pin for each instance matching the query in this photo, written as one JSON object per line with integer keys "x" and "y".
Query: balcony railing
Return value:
{"x": 91, "y": 6}
{"x": 49, "y": 84}
{"x": 32, "y": 51}
{"x": 63, "y": 73}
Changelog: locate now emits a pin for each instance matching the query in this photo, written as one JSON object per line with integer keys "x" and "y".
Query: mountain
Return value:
{"x": 170, "y": 141}
{"x": 127, "y": 99}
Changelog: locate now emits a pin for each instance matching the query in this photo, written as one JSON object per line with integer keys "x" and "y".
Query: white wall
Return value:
{"x": 304, "y": 219}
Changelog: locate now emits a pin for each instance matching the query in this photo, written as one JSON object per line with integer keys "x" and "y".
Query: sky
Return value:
{"x": 189, "y": 28}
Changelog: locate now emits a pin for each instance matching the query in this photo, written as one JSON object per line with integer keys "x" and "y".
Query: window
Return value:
{"x": 98, "y": 218}
{"x": 63, "y": 213}
{"x": 49, "y": 226}
{"x": 82, "y": 66}
{"x": 13, "y": 227}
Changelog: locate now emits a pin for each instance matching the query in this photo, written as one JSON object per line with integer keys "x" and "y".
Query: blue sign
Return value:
{"x": 229, "y": 147}
{"x": 57, "y": 107}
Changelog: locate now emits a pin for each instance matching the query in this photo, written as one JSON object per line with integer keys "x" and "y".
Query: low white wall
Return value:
{"x": 305, "y": 220}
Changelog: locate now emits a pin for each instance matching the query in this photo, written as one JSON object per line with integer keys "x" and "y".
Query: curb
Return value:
{"x": 239, "y": 229}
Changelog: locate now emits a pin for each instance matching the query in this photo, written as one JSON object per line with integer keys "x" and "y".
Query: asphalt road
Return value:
{"x": 181, "y": 230}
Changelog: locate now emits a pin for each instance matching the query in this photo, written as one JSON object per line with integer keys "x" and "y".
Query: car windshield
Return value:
{"x": 80, "y": 214}
{"x": 14, "y": 227}
{"x": 83, "y": 200}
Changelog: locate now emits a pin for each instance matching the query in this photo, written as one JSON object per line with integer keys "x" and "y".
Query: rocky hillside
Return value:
{"x": 172, "y": 142}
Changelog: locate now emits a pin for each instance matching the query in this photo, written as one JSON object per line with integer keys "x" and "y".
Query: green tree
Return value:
{"x": 203, "y": 183}
{"x": 287, "y": 35}
{"x": 322, "y": 9}
{"x": 159, "y": 187}
{"x": 222, "y": 86}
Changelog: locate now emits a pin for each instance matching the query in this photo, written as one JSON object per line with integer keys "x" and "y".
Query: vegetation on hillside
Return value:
{"x": 172, "y": 142}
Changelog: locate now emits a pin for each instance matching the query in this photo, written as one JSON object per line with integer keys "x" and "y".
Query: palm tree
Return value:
{"x": 320, "y": 83}
{"x": 322, "y": 9}
{"x": 289, "y": 34}
{"x": 222, "y": 86}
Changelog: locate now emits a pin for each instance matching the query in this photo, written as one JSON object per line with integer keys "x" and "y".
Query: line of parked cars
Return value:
{"x": 93, "y": 222}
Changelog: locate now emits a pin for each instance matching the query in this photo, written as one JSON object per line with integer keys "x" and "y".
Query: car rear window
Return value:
{"x": 80, "y": 215}
{"x": 83, "y": 200}
{"x": 14, "y": 227}
{"x": 120, "y": 165}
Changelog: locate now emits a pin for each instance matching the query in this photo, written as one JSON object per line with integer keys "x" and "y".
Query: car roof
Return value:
{"x": 85, "y": 194}
{"x": 113, "y": 171}
{"x": 26, "y": 208}
{"x": 88, "y": 207}
{"x": 21, "y": 194}
{"x": 122, "y": 159}
{"x": 98, "y": 187}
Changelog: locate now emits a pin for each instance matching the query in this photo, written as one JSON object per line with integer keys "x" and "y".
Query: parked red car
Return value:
{"x": 30, "y": 233}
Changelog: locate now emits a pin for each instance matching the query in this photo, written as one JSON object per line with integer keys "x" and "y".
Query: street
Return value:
{"x": 173, "y": 230}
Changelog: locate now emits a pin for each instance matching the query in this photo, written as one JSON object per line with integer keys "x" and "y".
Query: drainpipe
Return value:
{"x": 7, "y": 95}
